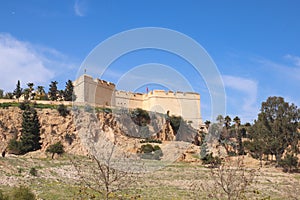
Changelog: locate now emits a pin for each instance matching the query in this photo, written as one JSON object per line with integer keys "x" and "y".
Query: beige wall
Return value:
{"x": 100, "y": 92}
{"x": 93, "y": 91}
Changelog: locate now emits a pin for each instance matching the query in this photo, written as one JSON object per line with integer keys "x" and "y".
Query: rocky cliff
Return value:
{"x": 70, "y": 129}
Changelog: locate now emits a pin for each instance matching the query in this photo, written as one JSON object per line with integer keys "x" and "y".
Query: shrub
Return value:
{"x": 22, "y": 193}
{"x": 289, "y": 162}
{"x": 15, "y": 147}
{"x": 149, "y": 152}
{"x": 2, "y": 196}
{"x": 63, "y": 110}
{"x": 88, "y": 109}
{"x": 175, "y": 122}
{"x": 151, "y": 141}
{"x": 70, "y": 138}
{"x": 140, "y": 117}
{"x": 33, "y": 171}
{"x": 24, "y": 105}
{"x": 213, "y": 161}
{"x": 56, "y": 148}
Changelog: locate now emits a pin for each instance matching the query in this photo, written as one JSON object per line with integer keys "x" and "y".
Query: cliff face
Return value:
{"x": 69, "y": 129}
{"x": 54, "y": 128}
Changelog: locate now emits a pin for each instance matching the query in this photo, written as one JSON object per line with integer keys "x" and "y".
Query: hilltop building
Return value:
{"x": 103, "y": 93}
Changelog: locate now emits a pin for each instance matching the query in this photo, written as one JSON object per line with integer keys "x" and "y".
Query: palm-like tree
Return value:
{"x": 40, "y": 90}
{"x": 41, "y": 94}
{"x": 237, "y": 123}
{"x": 207, "y": 123}
{"x": 227, "y": 122}
{"x": 30, "y": 90}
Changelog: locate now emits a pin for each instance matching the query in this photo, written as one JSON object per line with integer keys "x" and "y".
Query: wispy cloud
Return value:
{"x": 245, "y": 95}
{"x": 290, "y": 70}
{"x": 80, "y": 7}
{"x": 26, "y": 62}
{"x": 294, "y": 59}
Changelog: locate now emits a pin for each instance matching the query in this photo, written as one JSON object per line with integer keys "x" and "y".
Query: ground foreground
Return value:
{"x": 58, "y": 179}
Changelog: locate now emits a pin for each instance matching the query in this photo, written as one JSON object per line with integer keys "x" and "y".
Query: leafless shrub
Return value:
{"x": 102, "y": 179}
{"x": 231, "y": 180}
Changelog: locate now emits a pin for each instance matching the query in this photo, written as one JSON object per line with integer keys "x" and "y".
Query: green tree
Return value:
{"x": 204, "y": 150}
{"x": 227, "y": 122}
{"x": 276, "y": 126}
{"x": 53, "y": 92}
{"x": 69, "y": 92}
{"x": 18, "y": 91}
{"x": 56, "y": 148}
{"x": 63, "y": 110}
{"x": 207, "y": 124}
{"x": 238, "y": 135}
{"x": 41, "y": 94}
{"x": 1, "y": 93}
{"x": 220, "y": 119}
{"x": 9, "y": 95}
{"x": 26, "y": 93}
{"x": 31, "y": 93}
{"x": 30, "y": 137}
{"x": 289, "y": 162}
{"x": 140, "y": 117}
{"x": 226, "y": 131}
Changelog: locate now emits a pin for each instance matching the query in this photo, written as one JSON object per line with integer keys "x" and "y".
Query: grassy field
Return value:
{"x": 58, "y": 179}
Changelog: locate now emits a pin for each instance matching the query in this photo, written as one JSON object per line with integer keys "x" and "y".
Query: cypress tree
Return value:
{"x": 68, "y": 93}
{"x": 30, "y": 138}
{"x": 53, "y": 91}
{"x": 18, "y": 91}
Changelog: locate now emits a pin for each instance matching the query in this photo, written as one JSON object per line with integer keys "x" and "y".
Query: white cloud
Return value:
{"x": 294, "y": 59}
{"x": 27, "y": 62}
{"x": 291, "y": 71}
{"x": 245, "y": 96}
{"x": 80, "y": 8}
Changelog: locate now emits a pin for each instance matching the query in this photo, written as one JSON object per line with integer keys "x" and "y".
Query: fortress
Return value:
{"x": 102, "y": 93}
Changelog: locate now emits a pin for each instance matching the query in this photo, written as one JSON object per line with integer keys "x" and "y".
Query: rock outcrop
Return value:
{"x": 55, "y": 127}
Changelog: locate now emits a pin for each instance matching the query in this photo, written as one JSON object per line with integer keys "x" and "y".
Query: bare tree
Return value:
{"x": 111, "y": 168}
{"x": 231, "y": 180}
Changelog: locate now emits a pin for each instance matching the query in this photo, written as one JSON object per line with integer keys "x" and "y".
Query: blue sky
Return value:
{"x": 255, "y": 44}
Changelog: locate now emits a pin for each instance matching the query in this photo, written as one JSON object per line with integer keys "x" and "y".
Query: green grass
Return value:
{"x": 169, "y": 182}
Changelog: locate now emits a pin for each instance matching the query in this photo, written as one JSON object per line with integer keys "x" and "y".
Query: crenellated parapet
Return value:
{"x": 104, "y": 93}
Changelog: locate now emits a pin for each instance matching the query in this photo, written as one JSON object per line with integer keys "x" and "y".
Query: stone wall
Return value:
{"x": 102, "y": 93}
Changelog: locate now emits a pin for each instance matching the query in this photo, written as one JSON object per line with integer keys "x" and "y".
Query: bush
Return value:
{"x": 63, "y": 110}
{"x": 15, "y": 147}
{"x": 2, "y": 196}
{"x": 209, "y": 159}
{"x": 289, "y": 163}
{"x": 149, "y": 152}
{"x": 70, "y": 138}
{"x": 175, "y": 122}
{"x": 140, "y": 117}
{"x": 56, "y": 148}
{"x": 151, "y": 141}
{"x": 33, "y": 171}
{"x": 24, "y": 105}
{"x": 22, "y": 193}
{"x": 88, "y": 109}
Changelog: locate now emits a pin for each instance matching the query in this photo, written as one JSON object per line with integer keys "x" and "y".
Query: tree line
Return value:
{"x": 274, "y": 134}
{"x": 53, "y": 94}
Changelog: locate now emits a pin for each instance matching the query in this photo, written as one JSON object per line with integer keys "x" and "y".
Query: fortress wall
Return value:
{"x": 79, "y": 89}
{"x": 128, "y": 99}
{"x": 93, "y": 91}
{"x": 104, "y": 93}
{"x": 186, "y": 104}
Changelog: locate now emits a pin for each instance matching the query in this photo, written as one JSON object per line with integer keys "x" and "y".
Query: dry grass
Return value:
{"x": 57, "y": 179}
